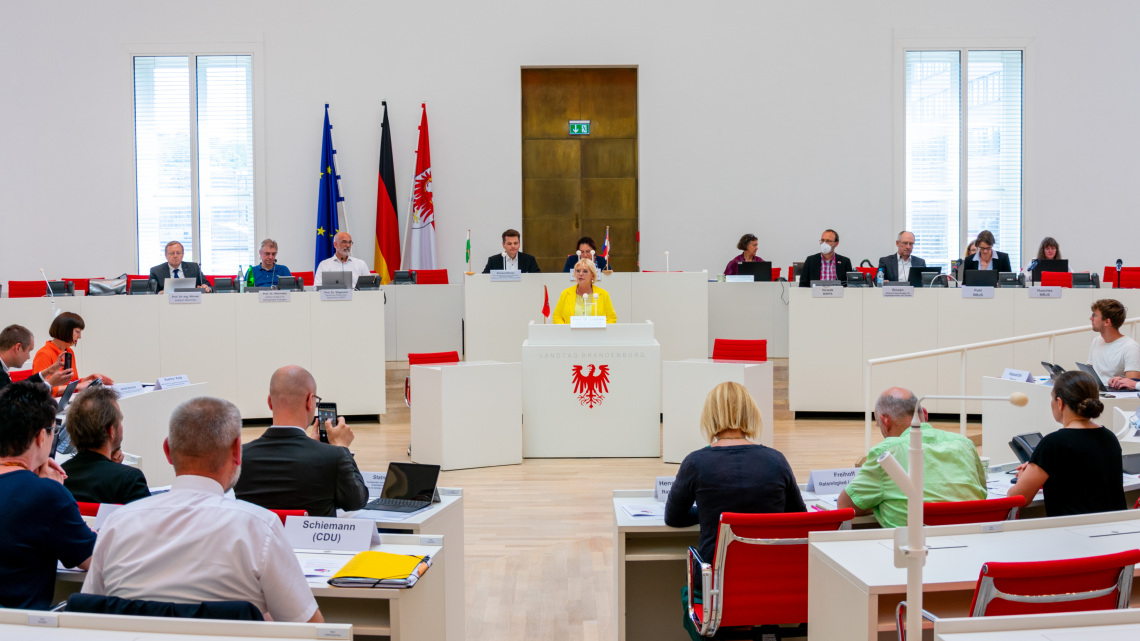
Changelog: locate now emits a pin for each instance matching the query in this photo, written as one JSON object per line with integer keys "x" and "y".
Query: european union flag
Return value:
{"x": 328, "y": 203}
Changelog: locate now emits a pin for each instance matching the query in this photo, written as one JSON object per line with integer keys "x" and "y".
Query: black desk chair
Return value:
{"x": 231, "y": 610}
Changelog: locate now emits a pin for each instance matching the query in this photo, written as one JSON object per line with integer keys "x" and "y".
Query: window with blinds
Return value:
{"x": 963, "y": 136}
{"x": 194, "y": 159}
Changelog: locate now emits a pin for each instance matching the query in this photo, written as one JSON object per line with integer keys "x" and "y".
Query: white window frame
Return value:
{"x": 959, "y": 40}
{"x": 205, "y": 47}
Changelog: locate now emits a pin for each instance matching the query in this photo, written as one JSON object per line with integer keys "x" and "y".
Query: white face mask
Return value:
{"x": 824, "y": 248}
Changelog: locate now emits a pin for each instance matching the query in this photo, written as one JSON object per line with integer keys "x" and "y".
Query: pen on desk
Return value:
{"x": 817, "y": 508}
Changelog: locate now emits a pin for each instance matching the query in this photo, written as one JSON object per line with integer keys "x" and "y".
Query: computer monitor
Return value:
{"x": 141, "y": 286}
{"x": 404, "y": 277}
{"x": 797, "y": 269}
{"x": 759, "y": 271}
{"x": 225, "y": 285}
{"x": 290, "y": 282}
{"x": 917, "y": 278}
{"x": 62, "y": 287}
{"x": 336, "y": 280}
{"x": 1046, "y": 265}
{"x": 980, "y": 278}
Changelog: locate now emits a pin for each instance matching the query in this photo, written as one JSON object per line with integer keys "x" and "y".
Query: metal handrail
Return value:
{"x": 868, "y": 406}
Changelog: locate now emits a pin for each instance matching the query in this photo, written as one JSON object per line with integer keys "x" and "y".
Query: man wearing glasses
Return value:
{"x": 987, "y": 258}
{"x": 896, "y": 267}
{"x": 342, "y": 261}
{"x": 826, "y": 265}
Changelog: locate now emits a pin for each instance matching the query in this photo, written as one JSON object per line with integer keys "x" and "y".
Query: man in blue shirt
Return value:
{"x": 267, "y": 273}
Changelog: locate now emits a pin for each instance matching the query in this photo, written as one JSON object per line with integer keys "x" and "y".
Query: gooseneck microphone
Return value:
{"x": 54, "y": 311}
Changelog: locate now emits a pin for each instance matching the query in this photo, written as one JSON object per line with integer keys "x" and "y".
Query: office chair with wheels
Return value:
{"x": 1041, "y": 587}
{"x": 764, "y": 581}
{"x": 728, "y": 349}
{"x": 980, "y": 511}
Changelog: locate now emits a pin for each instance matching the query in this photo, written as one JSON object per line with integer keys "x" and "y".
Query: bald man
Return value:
{"x": 952, "y": 470}
{"x": 342, "y": 261}
{"x": 288, "y": 467}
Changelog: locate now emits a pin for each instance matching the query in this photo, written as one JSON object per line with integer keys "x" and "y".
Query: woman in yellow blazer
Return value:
{"x": 597, "y": 301}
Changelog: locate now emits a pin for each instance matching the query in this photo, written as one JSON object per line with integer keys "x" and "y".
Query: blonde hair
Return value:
{"x": 729, "y": 406}
{"x": 589, "y": 264}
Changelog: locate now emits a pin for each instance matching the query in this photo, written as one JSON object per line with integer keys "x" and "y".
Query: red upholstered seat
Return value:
{"x": 1056, "y": 279}
{"x": 430, "y": 276}
{"x": 727, "y": 349}
{"x": 980, "y": 511}
{"x": 775, "y": 273}
{"x": 1130, "y": 279}
{"x": 283, "y": 514}
{"x": 20, "y": 375}
{"x": 425, "y": 358}
{"x": 26, "y": 288}
{"x": 88, "y": 509}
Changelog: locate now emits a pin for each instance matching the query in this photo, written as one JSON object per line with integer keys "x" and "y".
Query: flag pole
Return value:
{"x": 469, "y": 272}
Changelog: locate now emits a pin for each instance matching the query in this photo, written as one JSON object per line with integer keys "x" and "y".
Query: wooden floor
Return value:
{"x": 539, "y": 536}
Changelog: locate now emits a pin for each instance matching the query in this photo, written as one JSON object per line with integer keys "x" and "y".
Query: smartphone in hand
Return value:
{"x": 67, "y": 360}
{"x": 325, "y": 412}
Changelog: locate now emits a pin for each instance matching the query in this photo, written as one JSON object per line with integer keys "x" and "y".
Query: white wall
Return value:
{"x": 769, "y": 117}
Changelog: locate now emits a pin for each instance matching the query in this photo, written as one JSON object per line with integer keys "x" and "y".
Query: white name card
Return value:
{"x": 587, "y": 322}
{"x": 505, "y": 275}
{"x": 1021, "y": 376}
{"x": 739, "y": 278}
{"x": 184, "y": 298}
{"x": 898, "y": 291}
{"x": 977, "y": 292}
{"x": 129, "y": 389}
{"x": 44, "y": 619}
{"x": 336, "y": 294}
{"x": 830, "y": 481}
{"x": 331, "y": 534}
{"x": 105, "y": 510}
{"x": 1044, "y": 292}
{"x": 271, "y": 296}
{"x": 664, "y": 484}
{"x": 827, "y": 291}
{"x": 170, "y": 382}
{"x": 374, "y": 481}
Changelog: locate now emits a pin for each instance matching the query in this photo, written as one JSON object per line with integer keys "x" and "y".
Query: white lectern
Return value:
{"x": 685, "y": 384}
{"x": 591, "y": 392}
{"x": 467, "y": 414}
{"x": 146, "y": 422}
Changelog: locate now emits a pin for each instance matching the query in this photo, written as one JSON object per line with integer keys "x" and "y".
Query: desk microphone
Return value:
{"x": 54, "y": 311}
{"x": 1119, "y": 264}
{"x": 595, "y": 302}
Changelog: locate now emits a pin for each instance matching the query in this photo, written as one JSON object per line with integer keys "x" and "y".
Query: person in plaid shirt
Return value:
{"x": 826, "y": 265}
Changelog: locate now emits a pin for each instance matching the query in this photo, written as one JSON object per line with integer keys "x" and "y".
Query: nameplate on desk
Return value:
{"x": 374, "y": 481}
{"x": 505, "y": 275}
{"x": 977, "y": 292}
{"x": 336, "y": 294}
{"x": 1044, "y": 292}
{"x": 830, "y": 481}
{"x": 184, "y": 298}
{"x": 44, "y": 619}
{"x": 662, "y": 487}
{"x": 1021, "y": 376}
{"x": 129, "y": 389}
{"x": 898, "y": 291}
{"x": 450, "y": 491}
{"x": 274, "y": 296}
{"x": 170, "y": 382}
{"x": 328, "y": 533}
{"x": 587, "y": 322}
{"x": 739, "y": 278}
{"x": 827, "y": 291}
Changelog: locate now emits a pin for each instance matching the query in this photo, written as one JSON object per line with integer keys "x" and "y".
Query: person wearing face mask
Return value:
{"x": 826, "y": 265}
{"x": 341, "y": 261}
{"x": 987, "y": 258}
{"x": 96, "y": 474}
{"x": 211, "y": 548}
{"x": 65, "y": 331}
{"x": 512, "y": 259}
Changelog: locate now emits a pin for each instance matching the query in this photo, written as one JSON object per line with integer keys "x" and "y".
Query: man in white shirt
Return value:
{"x": 341, "y": 261}
{"x": 16, "y": 345}
{"x": 193, "y": 544}
{"x": 1114, "y": 356}
{"x": 896, "y": 267}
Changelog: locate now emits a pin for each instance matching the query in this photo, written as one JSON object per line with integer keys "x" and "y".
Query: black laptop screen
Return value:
{"x": 759, "y": 271}
{"x": 1046, "y": 265}
{"x": 981, "y": 278}
{"x": 410, "y": 481}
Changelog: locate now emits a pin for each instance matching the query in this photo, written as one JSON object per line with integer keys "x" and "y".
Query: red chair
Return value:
{"x": 430, "y": 276}
{"x": 283, "y": 514}
{"x": 20, "y": 375}
{"x": 306, "y": 277}
{"x": 1128, "y": 279}
{"x": 88, "y": 509}
{"x": 26, "y": 288}
{"x": 1056, "y": 279}
{"x": 726, "y": 349}
{"x": 980, "y": 511}
{"x": 766, "y": 582}
{"x": 775, "y": 273}
{"x": 1043, "y": 587}
{"x": 134, "y": 277}
{"x": 425, "y": 358}
{"x": 868, "y": 272}
{"x": 1110, "y": 276}
{"x": 210, "y": 279}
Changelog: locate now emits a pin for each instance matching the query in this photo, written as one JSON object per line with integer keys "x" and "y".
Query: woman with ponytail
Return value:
{"x": 1078, "y": 465}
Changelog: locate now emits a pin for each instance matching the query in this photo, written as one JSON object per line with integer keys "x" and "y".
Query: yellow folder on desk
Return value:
{"x": 376, "y": 569}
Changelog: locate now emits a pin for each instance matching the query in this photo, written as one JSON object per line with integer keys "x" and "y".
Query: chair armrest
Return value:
{"x": 697, "y": 567}
{"x": 899, "y": 609}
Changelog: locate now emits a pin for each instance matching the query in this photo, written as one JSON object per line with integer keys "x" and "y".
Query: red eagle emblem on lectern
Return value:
{"x": 591, "y": 388}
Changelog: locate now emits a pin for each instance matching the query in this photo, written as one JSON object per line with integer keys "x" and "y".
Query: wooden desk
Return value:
{"x": 1109, "y": 625}
{"x": 853, "y": 585}
{"x": 26, "y": 625}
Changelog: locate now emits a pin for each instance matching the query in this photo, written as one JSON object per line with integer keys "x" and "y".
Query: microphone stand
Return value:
{"x": 54, "y": 311}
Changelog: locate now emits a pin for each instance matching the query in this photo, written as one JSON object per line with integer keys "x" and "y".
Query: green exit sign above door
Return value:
{"x": 579, "y": 127}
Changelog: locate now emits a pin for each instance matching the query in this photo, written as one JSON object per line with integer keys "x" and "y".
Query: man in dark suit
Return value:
{"x": 512, "y": 258}
{"x": 289, "y": 469}
{"x": 174, "y": 267}
{"x": 896, "y": 267}
{"x": 985, "y": 258}
{"x": 96, "y": 473}
{"x": 826, "y": 265}
{"x": 16, "y": 345}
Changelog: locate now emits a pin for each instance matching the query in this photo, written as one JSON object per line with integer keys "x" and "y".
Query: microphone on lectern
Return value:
{"x": 54, "y": 311}
{"x": 595, "y": 303}
{"x": 1119, "y": 264}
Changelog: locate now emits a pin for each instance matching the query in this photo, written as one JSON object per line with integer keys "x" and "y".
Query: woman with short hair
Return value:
{"x": 1079, "y": 465}
{"x": 1049, "y": 249}
{"x": 65, "y": 331}
{"x": 748, "y": 246}
{"x": 987, "y": 258}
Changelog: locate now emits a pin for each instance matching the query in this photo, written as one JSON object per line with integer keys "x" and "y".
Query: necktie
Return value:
{"x": 176, "y": 273}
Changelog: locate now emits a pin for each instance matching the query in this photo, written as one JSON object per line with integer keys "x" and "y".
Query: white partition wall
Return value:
{"x": 965, "y": 320}
{"x": 200, "y": 341}
{"x": 269, "y": 336}
{"x": 750, "y": 311}
{"x": 146, "y": 422}
{"x": 427, "y": 318}
{"x": 348, "y": 351}
{"x": 825, "y": 360}
{"x": 496, "y": 315}
{"x": 898, "y": 326}
{"x": 677, "y": 304}
{"x": 686, "y": 384}
{"x": 121, "y": 339}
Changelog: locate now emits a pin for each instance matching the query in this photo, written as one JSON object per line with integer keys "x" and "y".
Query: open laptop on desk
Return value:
{"x": 408, "y": 487}
{"x": 336, "y": 280}
{"x": 759, "y": 271}
{"x": 980, "y": 278}
{"x": 916, "y": 279}
{"x": 1104, "y": 389}
{"x": 179, "y": 285}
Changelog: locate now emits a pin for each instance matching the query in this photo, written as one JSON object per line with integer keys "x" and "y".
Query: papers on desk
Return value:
{"x": 382, "y": 515}
{"x": 644, "y": 509}
{"x": 997, "y": 486}
{"x": 322, "y": 566}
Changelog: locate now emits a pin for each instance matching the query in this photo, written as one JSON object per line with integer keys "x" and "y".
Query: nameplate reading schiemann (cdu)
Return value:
{"x": 327, "y": 533}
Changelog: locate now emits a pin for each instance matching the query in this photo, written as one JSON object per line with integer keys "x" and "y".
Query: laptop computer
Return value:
{"x": 1046, "y": 265}
{"x": 760, "y": 272}
{"x": 65, "y": 398}
{"x": 980, "y": 278}
{"x": 336, "y": 280}
{"x": 179, "y": 285}
{"x": 1088, "y": 369}
{"x": 408, "y": 487}
{"x": 916, "y": 275}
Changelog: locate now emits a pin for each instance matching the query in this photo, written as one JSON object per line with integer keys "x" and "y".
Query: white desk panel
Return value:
{"x": 121, "y": 338}
{"x": 496, "y": 315}
{"x": 1106, "y": 625}
{"x": 146, "y": 422}
{"x": 825, "y": 366}
{"x": 897, "y": 326}
{"x": 686, "y": 384}
{"x": 962, "y": 321}
{"x": 390, "y": 350}
{"x": 200, "y": 340}
{"x": 1033, "y": 315}
{"x": 15, "y": 625}
{"x": 427, "y": 318}
{"x": 348, "y": 351}
{"x": 750, "y": 311}
{"x": 678, "y": 305}
{"x": 272, "y": 335}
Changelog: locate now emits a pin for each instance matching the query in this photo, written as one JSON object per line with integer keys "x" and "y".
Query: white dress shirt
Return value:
{"x": 904, "y": 267}
{"x": 192, "y": 544}
{"x": 333, "y": 264}
{"x": 511, "y": 264}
